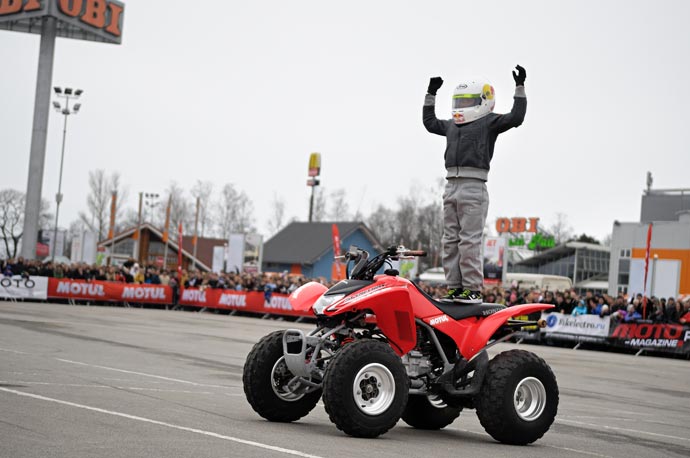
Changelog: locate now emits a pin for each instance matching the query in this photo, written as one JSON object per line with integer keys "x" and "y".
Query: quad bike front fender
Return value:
{"x": 303, "y": 298}
{"x": 475, "y": 341}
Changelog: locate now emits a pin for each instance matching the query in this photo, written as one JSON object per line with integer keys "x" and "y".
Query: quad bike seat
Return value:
{"x": 458, "y": 311}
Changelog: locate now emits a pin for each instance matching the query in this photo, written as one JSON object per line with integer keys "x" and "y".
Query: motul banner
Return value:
{"x": 252, "y": 301}
{"x": 673, "y": 338}
{"x": 108, "y": 291}
{"x": 18, "y": 287}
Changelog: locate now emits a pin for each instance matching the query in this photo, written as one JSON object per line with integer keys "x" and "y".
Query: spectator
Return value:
{"x": 632, "y": 314}
{"x": 685, "y": 317}
{"x": 579, "y": 309}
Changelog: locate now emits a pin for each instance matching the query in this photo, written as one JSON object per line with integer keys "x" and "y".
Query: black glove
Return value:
{"x": 520, "y": 76}
{"x": 434, "y": 84}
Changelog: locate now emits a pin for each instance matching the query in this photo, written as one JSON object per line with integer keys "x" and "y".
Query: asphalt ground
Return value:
{"x": 79, "y": 381}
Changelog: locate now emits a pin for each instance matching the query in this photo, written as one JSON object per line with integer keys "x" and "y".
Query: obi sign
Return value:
{"x": 93, "y": 20}
{"x": 520, "y": 226}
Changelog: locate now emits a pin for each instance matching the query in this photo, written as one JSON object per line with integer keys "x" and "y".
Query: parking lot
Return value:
{"x": 83, "y": 381}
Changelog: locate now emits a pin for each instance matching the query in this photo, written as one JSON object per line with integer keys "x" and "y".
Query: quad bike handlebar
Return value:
{"x": 365, "y": 269}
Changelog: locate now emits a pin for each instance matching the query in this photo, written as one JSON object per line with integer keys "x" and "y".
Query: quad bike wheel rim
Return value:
{"x": 373, "y": 389}
{"x": 280, "y": 382}
{"x": 530, "y": 398}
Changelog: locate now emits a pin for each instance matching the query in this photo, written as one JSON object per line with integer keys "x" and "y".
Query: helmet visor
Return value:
{"x": 466, "y": 100}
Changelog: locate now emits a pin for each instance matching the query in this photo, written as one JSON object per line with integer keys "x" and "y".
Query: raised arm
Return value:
{"x": 431, "y": 123}
{"x": 517, "y": 113}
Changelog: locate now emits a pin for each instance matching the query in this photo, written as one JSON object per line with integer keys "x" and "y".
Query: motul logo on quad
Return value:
{"x": 439, "y": 320}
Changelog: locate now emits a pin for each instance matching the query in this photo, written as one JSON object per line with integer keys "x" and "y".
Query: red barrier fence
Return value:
{"x": 108, "y": 291}
{"x": 252, "y": 301}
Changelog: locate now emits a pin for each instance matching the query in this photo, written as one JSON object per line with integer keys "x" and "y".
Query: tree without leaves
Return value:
{"x": 181, "y": 209}
{"x": 203, "y": 190}
{"x": 235, "y": 212}
{"x": 277, "y": 220}
{"x": 560, "y": 229}
{"x": 339, "y": 208}
{"x": 98, "y": 202}
{"x": 12, "y": 219}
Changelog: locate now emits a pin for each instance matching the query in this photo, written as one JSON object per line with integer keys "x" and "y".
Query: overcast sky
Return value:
{"x": 243, "y": 92}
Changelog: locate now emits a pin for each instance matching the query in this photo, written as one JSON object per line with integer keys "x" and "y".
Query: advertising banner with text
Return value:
{"x": 18, "y": 287}
{"x": 673, "y": 338}
{"x": 581, "y": 325}
{"x": 108, "y": 291}
{"x": 252, "y": 301}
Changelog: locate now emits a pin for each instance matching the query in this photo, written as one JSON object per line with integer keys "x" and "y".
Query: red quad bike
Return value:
{"x": 383, "y": 349}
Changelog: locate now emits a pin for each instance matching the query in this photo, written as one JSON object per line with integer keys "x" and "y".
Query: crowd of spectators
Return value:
{"x": 132, "y": 272}
{"x": 621, "y": 307}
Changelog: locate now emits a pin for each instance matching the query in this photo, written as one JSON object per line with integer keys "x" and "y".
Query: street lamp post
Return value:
{"x": 150, "y": 202}
{"x": 68, "y": 95}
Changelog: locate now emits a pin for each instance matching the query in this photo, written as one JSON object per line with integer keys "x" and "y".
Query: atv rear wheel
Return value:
{"x": 365, "y": 388}
{"x": 429, "y": 412}
{"x": 519, "y": 399}
{"x": 266, "y": 380}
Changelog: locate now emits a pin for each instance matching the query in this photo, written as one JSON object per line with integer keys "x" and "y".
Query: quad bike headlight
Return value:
{"x": 326, "y": 301}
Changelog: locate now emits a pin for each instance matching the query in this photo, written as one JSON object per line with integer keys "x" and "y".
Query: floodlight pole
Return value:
{"x": 32, "y": 207}
{"x": 65, "y": 112}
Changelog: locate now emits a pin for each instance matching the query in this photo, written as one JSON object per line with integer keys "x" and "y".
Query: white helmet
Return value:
{"x": 472, "y": 100}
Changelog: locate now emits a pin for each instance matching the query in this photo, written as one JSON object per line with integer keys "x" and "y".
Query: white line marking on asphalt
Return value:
{"x": 636, "y": 431}
{"x": 141, "y": 373}
{"x": 578, "y": 451}
{"x": 162, "y": 423}
{"x": 584, "y": 452}
{"x": 14, "y": 351}
{"x": 78, "y": 385}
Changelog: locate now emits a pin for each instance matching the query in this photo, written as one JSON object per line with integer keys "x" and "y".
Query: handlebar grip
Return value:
{"x": 420, "y": 253}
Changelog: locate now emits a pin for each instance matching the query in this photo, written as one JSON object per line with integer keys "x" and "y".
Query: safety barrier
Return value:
{"x": 633, "y": 335}
{"x": 255, "y": 302}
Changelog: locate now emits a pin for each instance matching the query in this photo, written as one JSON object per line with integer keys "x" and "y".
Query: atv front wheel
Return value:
{"x": 519, "y": 398}
{"x": 266, "y": 379}
{"x": 429, "y": 412}
{"x": 365, "y": 388}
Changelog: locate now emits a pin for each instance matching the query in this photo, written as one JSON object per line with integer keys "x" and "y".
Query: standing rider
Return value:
{"x": 470, "y": 139}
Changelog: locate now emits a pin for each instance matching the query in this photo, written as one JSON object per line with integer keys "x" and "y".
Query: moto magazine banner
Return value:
{"x": 580, "y": 325}
{"x": 253, "y": 301}
{"x": 18, "y": 287}
{"x": 108, "y": 291}
{"x": 660, "y": 337}
{"x": 673, "y": 338}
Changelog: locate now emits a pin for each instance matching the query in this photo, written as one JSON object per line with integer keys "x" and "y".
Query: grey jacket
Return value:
{"x": 470, "y": 146}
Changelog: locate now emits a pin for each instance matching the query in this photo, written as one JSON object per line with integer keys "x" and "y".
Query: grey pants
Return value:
{"x": 465, "y": 204}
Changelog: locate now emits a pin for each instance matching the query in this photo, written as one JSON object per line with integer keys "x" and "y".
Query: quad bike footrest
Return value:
{"x": 295, "y": 352}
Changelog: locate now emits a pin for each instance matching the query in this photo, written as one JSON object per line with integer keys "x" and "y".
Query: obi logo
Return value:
{"x": 438, "y": 320}
{"x": 100, "y": 14}
{"x": 18, "y": 6}
{"x": 551, "y": 321}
